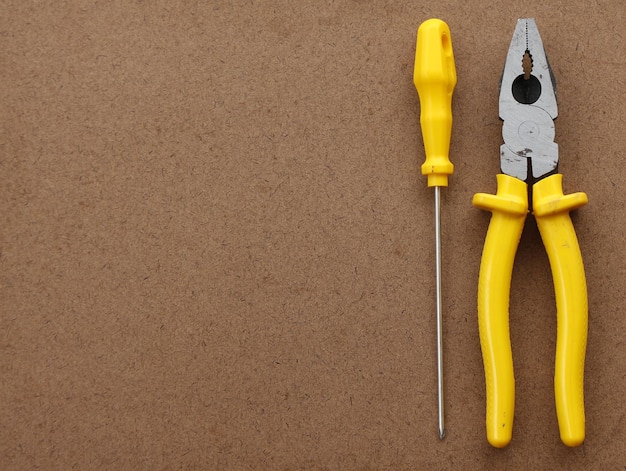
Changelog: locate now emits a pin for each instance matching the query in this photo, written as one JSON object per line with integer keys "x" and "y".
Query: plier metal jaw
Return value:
{"x": 528, "y": 107}
{"x": 529, "y": 159}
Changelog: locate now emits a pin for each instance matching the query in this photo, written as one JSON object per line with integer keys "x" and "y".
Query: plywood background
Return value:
{"x": 216, "y": 246}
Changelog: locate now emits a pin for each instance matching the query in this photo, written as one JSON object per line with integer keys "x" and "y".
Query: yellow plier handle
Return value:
{"x": 509, "y": 207}
{"x": 551, "y": 208}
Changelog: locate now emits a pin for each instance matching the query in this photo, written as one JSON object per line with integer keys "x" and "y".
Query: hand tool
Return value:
{"x": 529, "y": 178}
{"x": 434, "y": 76}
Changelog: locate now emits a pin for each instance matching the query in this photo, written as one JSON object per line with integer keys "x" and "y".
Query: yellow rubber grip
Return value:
{"x": 551, "y": 209}
{"x": 509, "y": 207}
{"x": 434, "y": 76}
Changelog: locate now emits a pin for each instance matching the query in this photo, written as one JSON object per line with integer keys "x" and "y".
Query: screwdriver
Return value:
{"x": 434, "y": 76}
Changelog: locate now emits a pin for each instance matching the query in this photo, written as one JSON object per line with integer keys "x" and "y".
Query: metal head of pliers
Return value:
{"x": 528, "y": 107}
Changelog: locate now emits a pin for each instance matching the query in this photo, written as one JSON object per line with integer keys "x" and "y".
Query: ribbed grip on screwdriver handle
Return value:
{"x": 509, "y": 207}
{"x": 551, "y": 208}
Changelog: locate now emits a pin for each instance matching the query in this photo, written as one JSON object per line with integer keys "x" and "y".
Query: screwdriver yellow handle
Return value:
{"x": 435, "y": 78}
{"x": 509, "y": 207}
{"x": 551, "y": 209}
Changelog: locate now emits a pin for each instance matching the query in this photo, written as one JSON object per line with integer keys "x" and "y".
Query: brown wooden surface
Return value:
{"x": 217, "y": 246}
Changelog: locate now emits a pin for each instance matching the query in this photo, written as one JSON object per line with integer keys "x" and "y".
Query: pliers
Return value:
{"x": 529, "y": 178}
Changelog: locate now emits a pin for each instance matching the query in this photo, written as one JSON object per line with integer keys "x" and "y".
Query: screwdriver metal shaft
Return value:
{"x": 442, "y": 430}
{"x": 435, "y": 78}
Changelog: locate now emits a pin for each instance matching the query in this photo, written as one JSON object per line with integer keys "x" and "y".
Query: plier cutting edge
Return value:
{"x": 529, "y": 178}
